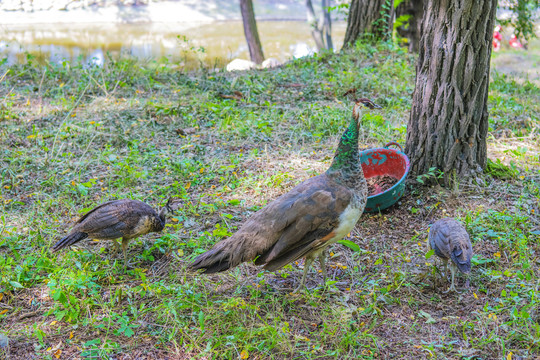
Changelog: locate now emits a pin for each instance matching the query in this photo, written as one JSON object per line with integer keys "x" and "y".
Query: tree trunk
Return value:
{"x": 314, "y": 24}
{"x": 371, "y": 18}
{"x": 414, "y": 9}
{"x": 250, "y": 30}
{"x": 327, "y": 25}
{"x": 448, "y": 125}
{"x": 320, "y": 30}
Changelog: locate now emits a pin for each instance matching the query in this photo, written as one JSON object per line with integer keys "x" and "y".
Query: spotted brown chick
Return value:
{"x": 125, "y": 218}
{"x": 450, "y": 241}
{"x": 303, "y": 222}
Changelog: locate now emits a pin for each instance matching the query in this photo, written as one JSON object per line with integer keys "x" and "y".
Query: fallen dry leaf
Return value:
{"x": 237, "y": 95}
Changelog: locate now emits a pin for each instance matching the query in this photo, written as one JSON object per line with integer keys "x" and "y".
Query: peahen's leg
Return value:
{"x": 445, "y": 271}
{"x": 125, "y": 243}
{"x": 322, "y": 261}
{"x": 307, "y": 265}
{"x": 116, "y": 247}
{"x": 453, "y": 269}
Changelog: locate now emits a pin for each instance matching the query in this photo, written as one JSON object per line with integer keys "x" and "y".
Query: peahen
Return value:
{"x": 303, "y": 222}
{"x": 450, "y": 241}
{"x": 125, "y": 218}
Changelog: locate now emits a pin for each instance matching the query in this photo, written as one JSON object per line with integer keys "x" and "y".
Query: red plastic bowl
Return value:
{"x": 385, "y": 161}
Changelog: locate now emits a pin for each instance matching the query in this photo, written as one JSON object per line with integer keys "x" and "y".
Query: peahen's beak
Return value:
{"x": 368, "y": 103}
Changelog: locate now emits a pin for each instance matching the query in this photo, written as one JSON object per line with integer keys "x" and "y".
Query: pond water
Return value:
{"x": 186, "y": 44}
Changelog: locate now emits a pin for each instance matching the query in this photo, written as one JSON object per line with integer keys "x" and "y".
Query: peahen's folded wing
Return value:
{"x": 439, "y": 239}
{"x": 285, "y": 229}
{"x": 109, "y": 220}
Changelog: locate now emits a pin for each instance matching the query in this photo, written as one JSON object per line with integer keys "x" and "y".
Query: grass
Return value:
{"x": 227, "y": 143}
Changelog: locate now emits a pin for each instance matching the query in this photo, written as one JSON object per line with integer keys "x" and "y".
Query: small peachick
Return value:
{"x": 449, "y": 240}
{"x": 303, "y": 222}
{"x": 125, "y": 218}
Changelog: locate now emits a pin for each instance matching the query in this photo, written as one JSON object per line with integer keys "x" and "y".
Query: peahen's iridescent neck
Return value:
{"x": 347, "y": 158}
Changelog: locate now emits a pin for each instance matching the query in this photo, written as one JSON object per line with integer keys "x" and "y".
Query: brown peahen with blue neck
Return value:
{"x": 303, "y": 222}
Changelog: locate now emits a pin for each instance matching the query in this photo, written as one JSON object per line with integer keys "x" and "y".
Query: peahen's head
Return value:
{"x": 170, "y": 207}
{"x": 347, "y": 152}
{"x": 359, "y": 104}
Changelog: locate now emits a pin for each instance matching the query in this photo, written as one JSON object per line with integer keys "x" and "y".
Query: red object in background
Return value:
{"x": 514, "y": 42}
{"x": 497, "y": 37}
{"x": 496, "y": 45}
{"x": 381, "y": 162}
{"x": 497, "y": 33}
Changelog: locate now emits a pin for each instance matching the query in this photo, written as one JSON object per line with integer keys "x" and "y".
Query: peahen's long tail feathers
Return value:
{"x": 223, "y": 256}
{"x": 210, "y": 265}
{"x": 212, "y": 261}
{"x": 69, "y": 240}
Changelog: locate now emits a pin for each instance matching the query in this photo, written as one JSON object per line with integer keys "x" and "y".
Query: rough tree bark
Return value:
{"x": 250, "y": 30}
{"x": 448, "y": 125}
{"x": 413, "y": 30}
{"x": 373, "y": 17}
{"x": 321, "y": 29}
